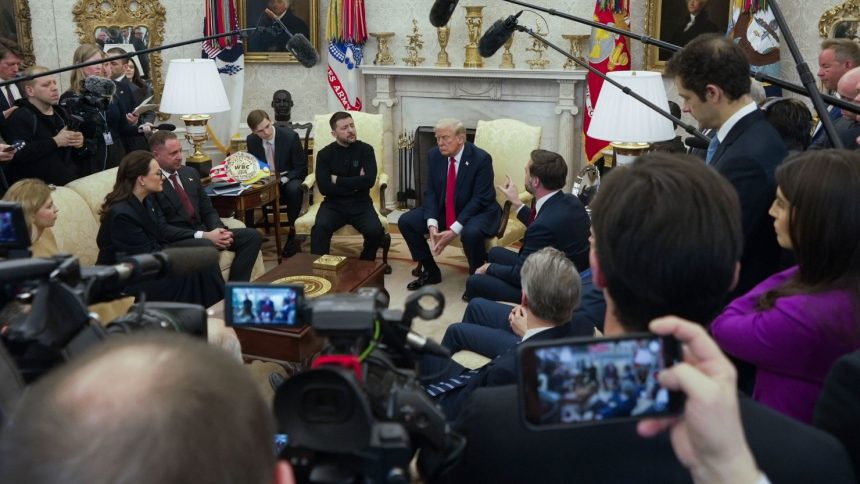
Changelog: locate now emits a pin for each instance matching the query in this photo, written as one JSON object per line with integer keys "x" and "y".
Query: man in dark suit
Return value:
{"x": 10, "y": 64}
{"x": 551, "y": 289}
{"x": 282, "y": 150}
{"x": 557, "y": 220}
{"x": 649, "y": 205}
{"x": 459, "y": 200}
{"x": 712, "y": 77}
{"x": 187, "y": 207}
{"x": 845, "y": 122}
{"x": 838, "y": 408}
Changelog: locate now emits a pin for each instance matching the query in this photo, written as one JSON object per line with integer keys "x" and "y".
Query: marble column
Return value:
{"x": 384, "y": 102}
{"x": 568, "y": 139}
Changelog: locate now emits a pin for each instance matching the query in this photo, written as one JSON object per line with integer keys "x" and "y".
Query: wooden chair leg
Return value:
{"x": 386, "y": 246}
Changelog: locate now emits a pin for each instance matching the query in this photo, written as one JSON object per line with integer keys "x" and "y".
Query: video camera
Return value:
{"x": 361, "y": 413}
{"x": 44, "y": 319}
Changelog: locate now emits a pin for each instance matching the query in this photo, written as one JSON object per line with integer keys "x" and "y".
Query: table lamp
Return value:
{"x": 194, "y": 90}
{"x": 625, "y": 122}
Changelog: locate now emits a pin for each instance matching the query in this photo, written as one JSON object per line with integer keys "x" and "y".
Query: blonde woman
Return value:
{"x": 40, "y": 213}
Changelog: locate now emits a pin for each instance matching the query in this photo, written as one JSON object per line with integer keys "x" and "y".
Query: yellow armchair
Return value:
{"x": 369, "y": 130}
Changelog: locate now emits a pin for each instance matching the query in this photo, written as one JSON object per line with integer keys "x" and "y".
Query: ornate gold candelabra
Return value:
{"x": 414, "y": 47}
{"x": 443, "y": 33}
{"x": 383, "y": 53}
{"x": 507, "y": 56}
{"x": 474, "y": 19}
{"x": 576, "y": 44}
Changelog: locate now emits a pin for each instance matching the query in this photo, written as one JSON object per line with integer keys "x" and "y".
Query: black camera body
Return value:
{"x": 361, "y": 413}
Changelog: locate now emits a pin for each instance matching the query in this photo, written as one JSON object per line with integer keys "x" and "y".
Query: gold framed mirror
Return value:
{"x": 841, "y": 21}
{"x": 15, "y": 23}
{"x": 137, "y": 24}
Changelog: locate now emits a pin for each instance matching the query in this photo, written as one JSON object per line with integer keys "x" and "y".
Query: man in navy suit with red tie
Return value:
{"x": 459, "y": 201}
{"x": 557, "y": 220}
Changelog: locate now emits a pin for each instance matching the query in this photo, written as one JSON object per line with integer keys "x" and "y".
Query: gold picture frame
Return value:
{"x": 665, "y": 17}
{"x": 17, "y": 22}
{"x": 841, "y": 21}
{"x": 265, "y": 46}
{"x": 93, "y": 18}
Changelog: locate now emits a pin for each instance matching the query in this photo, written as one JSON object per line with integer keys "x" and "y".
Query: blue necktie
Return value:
{"x": 449, "y": 384}
{"x": 712, "y": 148}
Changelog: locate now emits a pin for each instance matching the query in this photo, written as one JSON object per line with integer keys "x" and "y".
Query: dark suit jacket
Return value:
{"x": 501, "y": 449}
{"x": 134, "y": 228}
{"x": 561, "y": 223}
{"x": 748, "y": 157}
{"x": 838, "y": 408}
{"x": 502, "y": 370}
{"x": 290, "y": 157}
{"x": 847, "y": 129}
{"x": 475, "y": 195}
{"x": 205, "y": 216}
{"x": 701, "y": 25}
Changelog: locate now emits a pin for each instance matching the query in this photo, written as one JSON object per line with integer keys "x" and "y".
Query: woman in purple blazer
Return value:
{"x": 794, "y": 325}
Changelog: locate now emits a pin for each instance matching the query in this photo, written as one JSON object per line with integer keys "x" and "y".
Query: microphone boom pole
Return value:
{"x": 626, "y": 90}
{"x": 241, "y": 32}
{"x": 808, "y": 89}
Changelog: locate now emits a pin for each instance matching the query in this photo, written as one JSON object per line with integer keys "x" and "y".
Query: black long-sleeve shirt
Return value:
{"x": 347, "y": 164}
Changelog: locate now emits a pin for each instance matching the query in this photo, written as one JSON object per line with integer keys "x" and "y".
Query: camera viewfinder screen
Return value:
{"x": 265, "y": 305}
{"x": 593, "y": 381}
{"x": 8, "y": 235}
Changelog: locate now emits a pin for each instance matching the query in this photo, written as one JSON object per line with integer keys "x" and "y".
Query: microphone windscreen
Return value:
{"x": 441, "y": 11}
{"x": 166, "y": 127}
{"x": 494, "y": 38}
{"x": 696, "y": 143}
{"x": 100, "y": 86}
{"x": 182, "y": 261}
{"x": 300, "y": 46}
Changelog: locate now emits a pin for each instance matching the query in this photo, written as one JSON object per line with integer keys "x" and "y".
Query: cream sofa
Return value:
{"x": 78, "y": 221}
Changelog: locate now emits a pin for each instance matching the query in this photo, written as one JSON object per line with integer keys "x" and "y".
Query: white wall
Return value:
{"x": 55, "y": 40}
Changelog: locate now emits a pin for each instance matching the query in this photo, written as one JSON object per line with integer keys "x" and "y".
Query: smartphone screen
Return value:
{"x": 281, "y": 441}
{"x": 589, "y": 380}
{"x": 264, "y": 305}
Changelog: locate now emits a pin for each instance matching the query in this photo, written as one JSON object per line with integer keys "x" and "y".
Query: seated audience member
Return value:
{"x": 345, "y": 172}
{"x": 103, "y": 129}
{"x": 838, "y": 408}
{"x": 459, "y": 201}
{"x": 792, "y": 120}
{"x": 550, "y": 291}
{"x": 187, "y": 207}
{"x": 151, "y": 407}
{"x": 490, "y": 328}
{"x": 40, "y": 213}
{"x": 845, "y": 123}
{"x": 684, "y": 222}
{"x": 53, "y": 152}
{"x": 796, "y": 323}
{"x": 282, "y": 150}
{"x": 557, "y": 220}
{"x": 132, "y": 223}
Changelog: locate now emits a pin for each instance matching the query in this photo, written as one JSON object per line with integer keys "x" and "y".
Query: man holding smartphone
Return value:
{"x": 684, "y": 220}
{"x": 53, "y": 151}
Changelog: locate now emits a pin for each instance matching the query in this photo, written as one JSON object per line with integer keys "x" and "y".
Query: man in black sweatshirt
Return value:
{"x": 52, "y": 150}
{"x": 345, "y": 173}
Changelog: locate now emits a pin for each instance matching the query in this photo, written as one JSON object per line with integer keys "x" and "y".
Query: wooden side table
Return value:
{"x": 258, "y": 196}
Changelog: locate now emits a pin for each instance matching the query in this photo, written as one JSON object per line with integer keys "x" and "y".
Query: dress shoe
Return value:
{"x": 465, "y": 297}
{"x": 424, "y": 279}
{"x": 291, "y": 248}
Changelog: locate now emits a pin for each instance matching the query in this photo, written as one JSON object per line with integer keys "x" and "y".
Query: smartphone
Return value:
{"x": 15, "y": 146}
{"x": 281, "y": 441}
{"x": 264, "y": 305}
{"x": 582, "y": 381}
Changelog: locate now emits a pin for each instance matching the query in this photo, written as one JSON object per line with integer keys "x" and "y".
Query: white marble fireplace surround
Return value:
{"x": 409, "y": 97}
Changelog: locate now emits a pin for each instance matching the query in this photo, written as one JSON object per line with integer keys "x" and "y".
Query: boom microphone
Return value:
{"x": 100, "y": 86}
{"x": 441, "y": 12}
{"x": 696, "y": 143}
{"x": 298, "y": 44}
{"x": 497, "y": 35}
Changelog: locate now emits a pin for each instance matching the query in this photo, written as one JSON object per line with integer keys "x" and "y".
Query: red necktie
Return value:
{"x": 450, "y": 215}
{"x": 183, "y": 196}
{"x": 532, "y": 215}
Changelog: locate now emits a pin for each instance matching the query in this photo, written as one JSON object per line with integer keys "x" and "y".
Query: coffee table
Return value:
{"x": 284, "y": 346}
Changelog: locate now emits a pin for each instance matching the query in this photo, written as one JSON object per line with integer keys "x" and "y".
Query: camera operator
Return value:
{"x": 53, "y": 150}
{"x": 148, "y": 407}
{"x": 106, "y": 111}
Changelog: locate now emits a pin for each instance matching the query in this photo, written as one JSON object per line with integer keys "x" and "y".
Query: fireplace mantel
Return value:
{"x": 409, "y": 97}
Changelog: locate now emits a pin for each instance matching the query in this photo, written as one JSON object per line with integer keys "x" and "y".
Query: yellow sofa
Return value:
{"x": 78, "y": 221}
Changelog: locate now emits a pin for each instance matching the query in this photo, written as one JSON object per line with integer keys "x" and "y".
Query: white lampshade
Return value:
{"x": 193, "y": 86}
{"x": 620, "y": 117}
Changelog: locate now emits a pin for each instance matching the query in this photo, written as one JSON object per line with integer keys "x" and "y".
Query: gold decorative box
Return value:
{"x": 330, "y": 262}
